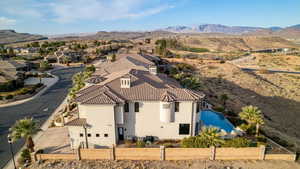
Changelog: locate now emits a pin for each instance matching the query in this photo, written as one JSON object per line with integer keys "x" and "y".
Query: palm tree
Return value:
{"x": 253, "y": 116}
{"x": 25, "y": 128}
{"x": 212, "y": 136}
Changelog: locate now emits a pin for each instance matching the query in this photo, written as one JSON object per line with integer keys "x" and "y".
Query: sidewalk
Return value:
{"x": 37, "y": 136}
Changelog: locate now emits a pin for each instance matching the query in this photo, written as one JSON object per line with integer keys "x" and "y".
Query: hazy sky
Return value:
{"x": 69, "y": 16}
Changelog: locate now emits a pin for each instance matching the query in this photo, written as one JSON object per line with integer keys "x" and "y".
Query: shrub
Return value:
{"x": 38, "y": 85}
{"x": 263, "y": 71}
{"x": 129, "y": 142}
{"x": 249, "y": 129}
{"x": 194, "y": 142}
{"x": 140, "y": 144}
{"x": 261, "y": 139}
{"x": 24, "y": 91}
{"x": 1, "y": 97}
{"x": 237, "y": 142}
{"x": 9, "y": 97}
{"x": 24, "y": 157}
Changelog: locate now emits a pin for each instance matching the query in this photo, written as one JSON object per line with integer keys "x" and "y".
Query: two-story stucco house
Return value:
{"x": 134, "y": 103}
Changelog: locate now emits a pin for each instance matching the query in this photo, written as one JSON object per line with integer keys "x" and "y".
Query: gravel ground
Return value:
{"x": 195, "y": 164}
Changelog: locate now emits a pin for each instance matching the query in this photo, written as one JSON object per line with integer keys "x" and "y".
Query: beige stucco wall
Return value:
{"x": 105, "y": 119}
{"x": 147, "y": 121}
{"x": 100, "y": 120}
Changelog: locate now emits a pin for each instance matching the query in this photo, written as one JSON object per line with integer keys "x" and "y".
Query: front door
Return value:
{"x": 121, "y": 133}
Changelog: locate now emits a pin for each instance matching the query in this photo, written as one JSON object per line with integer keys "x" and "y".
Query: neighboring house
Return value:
{"x": 133, "y": 103}
{"x": 29, "y": 50}
{"x": 123, "y": 62}
{"x": 71, "y": 56}
{"x": 14, "y": 65}
{"x": 12, "y": 74}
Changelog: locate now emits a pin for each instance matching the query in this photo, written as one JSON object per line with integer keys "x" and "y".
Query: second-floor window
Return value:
{"x": 126, "y": 107}
{"x": 176, "y": 106}
{"x": 137, "y": 107}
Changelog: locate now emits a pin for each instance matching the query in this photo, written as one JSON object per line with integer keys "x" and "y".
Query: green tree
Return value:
{"x": 25, "y": 128}
{"x": 253, "y": 116}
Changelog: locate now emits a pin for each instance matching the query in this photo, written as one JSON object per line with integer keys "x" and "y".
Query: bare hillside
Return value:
{"x": 236, "y": 43}
{"x": 277, "y": 95}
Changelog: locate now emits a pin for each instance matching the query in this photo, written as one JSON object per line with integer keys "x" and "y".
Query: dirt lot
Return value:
{"x": 165, "y": 165}
{"x": 276, "y": 94}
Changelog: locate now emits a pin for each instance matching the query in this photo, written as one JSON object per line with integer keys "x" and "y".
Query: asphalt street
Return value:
{"x": 39, "y": 108}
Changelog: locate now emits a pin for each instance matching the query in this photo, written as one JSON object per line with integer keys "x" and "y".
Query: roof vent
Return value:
{"x": 125, "y": 82}
{"x": 153, "y": 69}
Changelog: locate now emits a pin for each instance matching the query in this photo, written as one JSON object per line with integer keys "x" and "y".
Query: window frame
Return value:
{"x": 97, "y": 135}
{"x": 176, "y": 106}
{"x": 136, "y": 107}
{"x": 126, "y": 107}
{"x": 105, "y": 135}
{"x": 183, "y": 128}
{"x": 80, "y": 134}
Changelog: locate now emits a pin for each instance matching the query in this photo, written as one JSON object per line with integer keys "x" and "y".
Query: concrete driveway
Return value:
{"x": 54, "y": 140}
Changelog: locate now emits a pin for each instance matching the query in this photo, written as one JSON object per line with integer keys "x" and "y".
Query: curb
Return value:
{"x": 37, "y": 94}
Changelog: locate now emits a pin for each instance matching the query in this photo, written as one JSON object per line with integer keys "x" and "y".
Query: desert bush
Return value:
{"x": 237, "y": 142}
{"x": 24, "y": 91}
{"x": 263, "y": 71}
{"x": 24, "y": 156}
{"x": 8, "y": 97}
{"x": 140, "y": 144}
{"x": 261, "y": 138}
{"x": 129, "y": 142}
{"x": 249, "y": 129}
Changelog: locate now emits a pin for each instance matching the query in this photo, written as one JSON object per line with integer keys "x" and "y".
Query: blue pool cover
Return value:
{"x": 215, "y": 119}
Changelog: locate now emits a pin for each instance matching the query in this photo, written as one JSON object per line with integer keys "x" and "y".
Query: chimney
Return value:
{"x": 125, "y": 82}
{"x": 153, "y": 69}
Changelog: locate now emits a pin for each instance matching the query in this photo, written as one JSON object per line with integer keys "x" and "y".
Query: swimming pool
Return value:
{"x": 215, "y": 119}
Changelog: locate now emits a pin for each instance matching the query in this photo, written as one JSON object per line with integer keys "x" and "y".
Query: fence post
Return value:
{"x": 213, "y": 153}
{"x": 78, "y": 153}
{"x": 113, "y": 152}
{"x": 262, "y": 152}
{"x": 162, "y": 153}
{"x": 34, "y": 156}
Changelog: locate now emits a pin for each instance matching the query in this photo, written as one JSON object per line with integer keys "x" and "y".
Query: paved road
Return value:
{"x": 40, "y": 108}
{"x": 272, "y": 71}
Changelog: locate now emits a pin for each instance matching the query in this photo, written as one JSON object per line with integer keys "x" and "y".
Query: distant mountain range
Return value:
{"x": 11, "y": 36}
{"x": 236, "y": 30}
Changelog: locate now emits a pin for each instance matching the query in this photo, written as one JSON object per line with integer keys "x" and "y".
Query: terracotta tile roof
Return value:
{"x": 77, "y": 122}
{"x": 95, "y": 79}
{"x": 167, "y": 97}
{"x": 125, "y": 61}
{"x": 144, "y": 87}
{"x": 101, "y": 95}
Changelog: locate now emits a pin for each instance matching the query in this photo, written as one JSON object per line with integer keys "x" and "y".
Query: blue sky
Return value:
{"x": 73, "y": 16}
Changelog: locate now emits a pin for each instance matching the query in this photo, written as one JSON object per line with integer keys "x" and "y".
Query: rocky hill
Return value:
{"x": 11, "y": 36}
{"x": 212, "y": 28}
{"x": 287, "y": 32}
